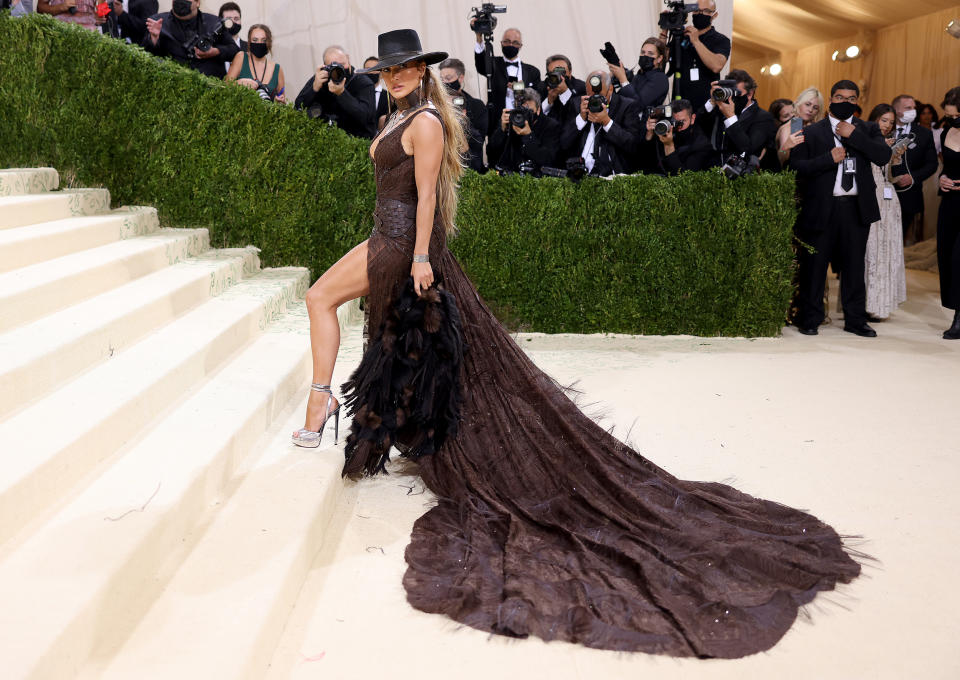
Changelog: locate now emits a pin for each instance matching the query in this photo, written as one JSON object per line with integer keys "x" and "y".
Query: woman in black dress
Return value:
{"x": 948, "y": 220}
{"x": 545, "y": 524}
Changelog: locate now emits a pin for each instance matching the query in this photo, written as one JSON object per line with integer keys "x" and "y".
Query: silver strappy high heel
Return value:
{"x": 310, "y": 439}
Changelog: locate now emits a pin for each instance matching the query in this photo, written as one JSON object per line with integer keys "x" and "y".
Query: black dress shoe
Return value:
{"x": 863, "y": 330}
{"x": 808, "y": 331}
{"x": 953, "y": 333}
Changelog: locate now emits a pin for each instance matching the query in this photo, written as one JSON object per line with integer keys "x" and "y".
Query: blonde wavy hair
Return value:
{"x": 807, "y": 95}
{"x": 454, "y": 148}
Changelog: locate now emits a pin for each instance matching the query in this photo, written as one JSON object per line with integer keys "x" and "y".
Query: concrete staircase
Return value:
{"x": 155, "y": 521}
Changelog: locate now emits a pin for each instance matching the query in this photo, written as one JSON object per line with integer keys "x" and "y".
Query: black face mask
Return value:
{"x": 951, "y": 123}
{"x": 739, "y": 103}
{"x": 453, "y": 87}
{"x": 683, "y": 136}
{"x": 701, "y": 21}
{"x": 259, "y": 50}
{"x": 234, "y": 29}
{"x": 646, "y": 63}
{"x": 842, "y": 110}
{"x": 182, "y": 7}
{"x": 511, "y": 51}
{"x": 373, "y": 77}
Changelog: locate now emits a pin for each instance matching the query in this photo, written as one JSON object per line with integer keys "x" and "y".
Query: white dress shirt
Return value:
{"x": 514, "y": 69}
{"x": 837, "y": 185}
{"x": 587, "y": 152}
{"x": 564, "y": 97}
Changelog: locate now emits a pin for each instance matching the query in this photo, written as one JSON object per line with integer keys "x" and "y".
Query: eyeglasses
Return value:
{"x": 837, "y": 98}
{"x": 515, "y": 43}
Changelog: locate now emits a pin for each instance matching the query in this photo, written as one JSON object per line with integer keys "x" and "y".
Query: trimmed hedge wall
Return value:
{"x": 693, "y": 254}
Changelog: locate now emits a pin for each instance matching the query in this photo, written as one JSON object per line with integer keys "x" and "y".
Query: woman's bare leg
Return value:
{"x": 344, "y": 281}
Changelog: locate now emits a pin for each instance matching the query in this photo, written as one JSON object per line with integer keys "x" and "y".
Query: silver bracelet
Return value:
{"x": 422, "y": 258}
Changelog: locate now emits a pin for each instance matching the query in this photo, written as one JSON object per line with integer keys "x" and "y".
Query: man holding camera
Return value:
{"x": 558, "y": 89}
{"x": 606, "y": 132}
{"x": 191, "y": 37}
{"x": 452, "y": 72}
{"x": 916, "y": 165}
{"x": 506, "y": 69}
{"x": 674, "y": 142}
{"x": 340, "y": 96}
{"x": 838, "y": 203}
{"x": 525, "y": 136}
{"x": 736, "y": 124}
{"x": 703, "y": 53}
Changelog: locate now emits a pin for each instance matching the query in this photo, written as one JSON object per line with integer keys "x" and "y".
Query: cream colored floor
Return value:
{"x": 862, "y": 432}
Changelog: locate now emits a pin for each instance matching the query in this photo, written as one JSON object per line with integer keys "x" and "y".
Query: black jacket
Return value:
{"x": 507, "y": 150}
{"x": 353, "y": 111}
{"x": 921, "y": 163}
{"x": 176, "y": 32}
{"x": 647, "y": 89}
{"x": 498, "y": 96}
{"x": 477, "y": 128}
{"x": 615, "y": 151}
{"x": 133, "y": 22}
{"x": 751, "y": 134}
{"x": 817, "y": 173}
{"x": 692, "y": 151}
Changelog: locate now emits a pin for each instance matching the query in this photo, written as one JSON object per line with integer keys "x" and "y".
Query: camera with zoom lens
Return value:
{"x": 520, "y": 116}
{"x": 575, "y": 171}
{"x": 555, "y": 77}
{"x": 739, "y": 165}
{"x": 337, "y": 72}
{"x": 724, "y": 91}
{"x": 205, "y": 43}
{"x": 483, "y": 21}
{"x": 596, "y": 102}
{"x": 665, "y": 125}
{"x": 659, "y": 112}
{"x": 675, "y": 17}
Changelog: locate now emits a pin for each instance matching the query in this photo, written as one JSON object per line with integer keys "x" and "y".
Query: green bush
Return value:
{"x": 694, "y": 254}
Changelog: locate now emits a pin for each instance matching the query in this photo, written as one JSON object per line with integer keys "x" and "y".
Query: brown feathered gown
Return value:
{"x": 547, "y": 525}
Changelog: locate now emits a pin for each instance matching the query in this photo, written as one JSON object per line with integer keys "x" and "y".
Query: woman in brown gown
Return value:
{"x": 545, "y": 524}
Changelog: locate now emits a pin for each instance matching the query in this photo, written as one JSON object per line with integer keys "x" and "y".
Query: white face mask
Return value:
{"x": 908, "y": 116}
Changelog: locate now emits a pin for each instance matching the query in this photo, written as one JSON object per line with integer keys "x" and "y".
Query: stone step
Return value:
{"x": 222, "y": 613}
{"x": 76, "y": 587}
{"x": 53, "y": 349}
{"x": 23, "y": 246}
{"x": 53, "y": 445}
{"x": 22, "y": 181}
{"x": 20, "y": 211}
{"x": 32, "y": 292}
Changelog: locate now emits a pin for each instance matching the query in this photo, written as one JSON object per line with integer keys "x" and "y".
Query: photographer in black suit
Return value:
{"x": 649, "y": 85}
{"x": 339, "y": 95}
{"x": 506, "y": 69}
{"x": 381, "y": 103}
{"x": 559, "y": 88}
{"x": 452, "y": 72}
{"x": 169, "y": 34}
{"x": 536, "y": 141}
{"x": 736, "y": 124}
{"x": 838, "y": 204}
{"x": 916, "y": 165}
{"x": 231, "y": 11}
{"x": 606, "y": 132}
{"x": 682, "y": 144}
{"x": 132, "y": 18}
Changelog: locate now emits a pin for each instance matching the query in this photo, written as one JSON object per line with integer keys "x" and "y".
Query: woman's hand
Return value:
{"x": 791, "y": 141}
{"x": 947, "y": 184}
{"x": 248, "y": 82}
{"x": 422, "y": 274}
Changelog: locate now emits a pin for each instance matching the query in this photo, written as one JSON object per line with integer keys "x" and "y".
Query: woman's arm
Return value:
{"x": 281, "y": 86}
{"x": 235, "y": 67}
{"x": 426, "y": 140}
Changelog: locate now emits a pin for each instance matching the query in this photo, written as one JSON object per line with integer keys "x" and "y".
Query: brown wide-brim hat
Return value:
{"x": 400, "y": 46}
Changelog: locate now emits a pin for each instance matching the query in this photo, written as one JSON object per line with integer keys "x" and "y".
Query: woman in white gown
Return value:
{"x": 884, "y": 271}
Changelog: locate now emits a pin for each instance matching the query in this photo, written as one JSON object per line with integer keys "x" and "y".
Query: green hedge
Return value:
{"x": 695, "y": 254}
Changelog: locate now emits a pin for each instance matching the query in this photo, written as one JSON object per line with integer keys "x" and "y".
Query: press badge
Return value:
{"x": 887, "y": 194}
{"x": 849, "y": 166}
{"x": 694, "y": 74}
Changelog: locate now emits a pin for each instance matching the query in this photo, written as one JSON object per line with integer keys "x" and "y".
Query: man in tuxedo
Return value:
{"x": 169, "y": 32}
{"x": 916, "y": 165}
{"x": 380, "y": 98}
{"x": 348, "y": 104}
{"x": 684, "y": 147}
{"x": 536, "y": 141}
{"x": 231, "y": 11}
{"x": 452, "y": 73}
{"x": 557, "y": 101}
{"x": 738, "y": 126}
{"x": 506, "y": 69}
{"x": 606, "y": 139}
{"x": 838, "y": 203}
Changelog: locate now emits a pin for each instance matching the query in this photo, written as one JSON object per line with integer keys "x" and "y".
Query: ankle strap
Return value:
{"x": 320, "y": 388}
